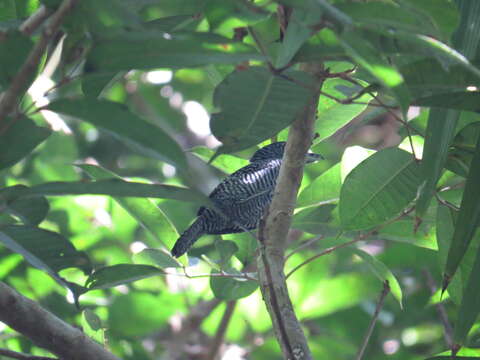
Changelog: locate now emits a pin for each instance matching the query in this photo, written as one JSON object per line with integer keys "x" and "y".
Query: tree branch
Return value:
{"x": 19, "y": 84}
{"x": 383, "y": 295}
{"x": 276, "y": 223}
{"x": 29, "y": 26}
{"x": 46, "y": 330}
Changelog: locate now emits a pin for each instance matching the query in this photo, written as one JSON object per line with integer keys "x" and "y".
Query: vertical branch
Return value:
{"x": 366, "y": 339}
{"x": 276, "y": 223}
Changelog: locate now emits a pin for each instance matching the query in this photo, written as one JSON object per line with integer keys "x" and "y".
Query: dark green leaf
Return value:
{"x": 13, "y": 52}
{"x": 468, "y": 217}
{"x": 30, "y": 211}
{"x": 94, "y": 84}
{"x": 116, "y": 187}
{"x": 151, "y": 49}
{"x": 156, "y": 257}
{"x": 116, "y": 118}
{"x": 19, "y": 139}
{"x": 378, "y": 189}
{"x": 440, "y": 131}
{"x": 111, "y": 276}
{"x": 228, "y": 288}
{"x": 226, "y": 249}
{"x": 255, "y": 105}
{"x": 315, "y": 220}
{"x": 8, "y": 10}
{"x": 44, "y": 249}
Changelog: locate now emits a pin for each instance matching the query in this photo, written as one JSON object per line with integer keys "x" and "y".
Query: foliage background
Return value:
{"x": 151, "y": 125}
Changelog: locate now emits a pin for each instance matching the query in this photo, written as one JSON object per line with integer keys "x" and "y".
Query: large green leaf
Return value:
{"x": 148, "y": 215}
{"x": 468, "y": 218}
{"x": 8, "y": 10}
{"x": 115, "y": 187}
{"x": 111, "y": 276}
{"x": 117, "y": 119}
{"x": 152, "y": 49}
{"x": 256, "y": 104}
{"x": 43, "y": 249}
{"x": 440, "y": 131}
{"x": 378, "y": 189}
{"x": 18, "y": 139}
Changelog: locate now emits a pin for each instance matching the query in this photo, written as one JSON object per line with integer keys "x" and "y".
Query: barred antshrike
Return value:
{"x": 241, "y": 198}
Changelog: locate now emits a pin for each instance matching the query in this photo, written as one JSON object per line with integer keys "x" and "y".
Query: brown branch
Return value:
{"x": 46, "y": 330}
{"x": 21, "y": 356}
{"x": 29, "y": 26}
{"x": 276, "y": 223}
{"x": 19, "y": 83}
{"x": 448, "y": 330}
{"x": 222, "y": 329}
{"x": 383, "y": 295}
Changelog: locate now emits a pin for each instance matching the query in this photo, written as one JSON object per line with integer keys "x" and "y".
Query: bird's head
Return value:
{"x": 275, "y": 151}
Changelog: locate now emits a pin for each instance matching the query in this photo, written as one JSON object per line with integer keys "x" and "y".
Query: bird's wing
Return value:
{"x": 247, "y": 183}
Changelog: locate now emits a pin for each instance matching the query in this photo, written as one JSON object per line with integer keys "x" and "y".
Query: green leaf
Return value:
{"x": 333, "y": 115}
{"x": 440, "y": 131}
{"x": 367, "y": 56}
{"x": 152, "y": 49}
{"x": 148, "y": 215}
{"x": 156, "y": 257}
{"x": 19, "y": 139}
{"x": 116, "y": 187}
{"x": 382, "y": 272}
{"x": 255, "y": 105}
{"x": 8, "y": 10}
{"x": 111, "y": 276}
{"x": 378, "y": 189}
{"x": 326, "y": 187}
{"x": 315, "y": 220}
{"x": 92, "y": 320}
{"x": 226, "y": 249}
{"x": 30, "y": 211}
{"x": 300, "y": 27}
{"x": 468, "y": 218}
{"x": 94, "y": 84}
{"x": 14, "y": 49}
{"x": 117, "y": 119}
{"x": 228, "y": 288}
{"x": 46, "y": 250}
{"x": 470, "y": 306}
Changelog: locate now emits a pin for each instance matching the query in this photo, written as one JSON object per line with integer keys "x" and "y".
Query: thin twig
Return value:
{"x": 242, "y": 276}
{"x": 304, "y": 245}
{"x": 21, "y": 356}
{"x": 19, "y": 83}
{"x": 221, "y": 330}
{"x": 448, "y": 330}
{"x": 29, "y": 26}
{"x": 383, "y": 295}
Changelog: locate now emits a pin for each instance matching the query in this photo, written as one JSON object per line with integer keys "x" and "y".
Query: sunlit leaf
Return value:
{"x": 378, "y": 189}
{"x": 156, "y": 257}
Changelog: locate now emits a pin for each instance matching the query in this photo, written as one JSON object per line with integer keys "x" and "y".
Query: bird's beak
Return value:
{"x": 312, "y": 157}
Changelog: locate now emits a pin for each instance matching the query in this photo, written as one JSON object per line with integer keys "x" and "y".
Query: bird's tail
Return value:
{"x": 189, "y": 236}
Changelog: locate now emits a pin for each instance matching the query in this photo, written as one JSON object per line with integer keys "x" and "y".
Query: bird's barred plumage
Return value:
{"x": 242, "y": 197}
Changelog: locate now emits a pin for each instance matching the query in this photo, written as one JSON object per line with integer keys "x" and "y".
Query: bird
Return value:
{"x": 241, "y": 198}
